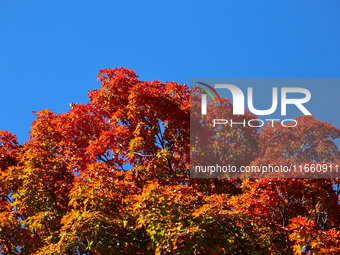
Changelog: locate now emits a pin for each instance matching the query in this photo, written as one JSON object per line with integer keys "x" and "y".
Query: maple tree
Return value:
{"x": 113, "y": 177}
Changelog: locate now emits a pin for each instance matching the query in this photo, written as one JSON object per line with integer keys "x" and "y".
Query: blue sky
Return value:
{"x": 51, "y": 51}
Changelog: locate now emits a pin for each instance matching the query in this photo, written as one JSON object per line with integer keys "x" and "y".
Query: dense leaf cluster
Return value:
{"x": 112, "y": 177}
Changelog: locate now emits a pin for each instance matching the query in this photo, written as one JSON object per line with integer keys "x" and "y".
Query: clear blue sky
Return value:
{"x": 51, "y": 51}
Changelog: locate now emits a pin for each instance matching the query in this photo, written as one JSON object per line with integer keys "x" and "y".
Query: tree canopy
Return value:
{"x": 113, "y": 177}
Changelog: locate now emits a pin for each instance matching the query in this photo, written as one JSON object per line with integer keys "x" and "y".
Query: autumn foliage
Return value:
{"x": 113, "y": 177}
